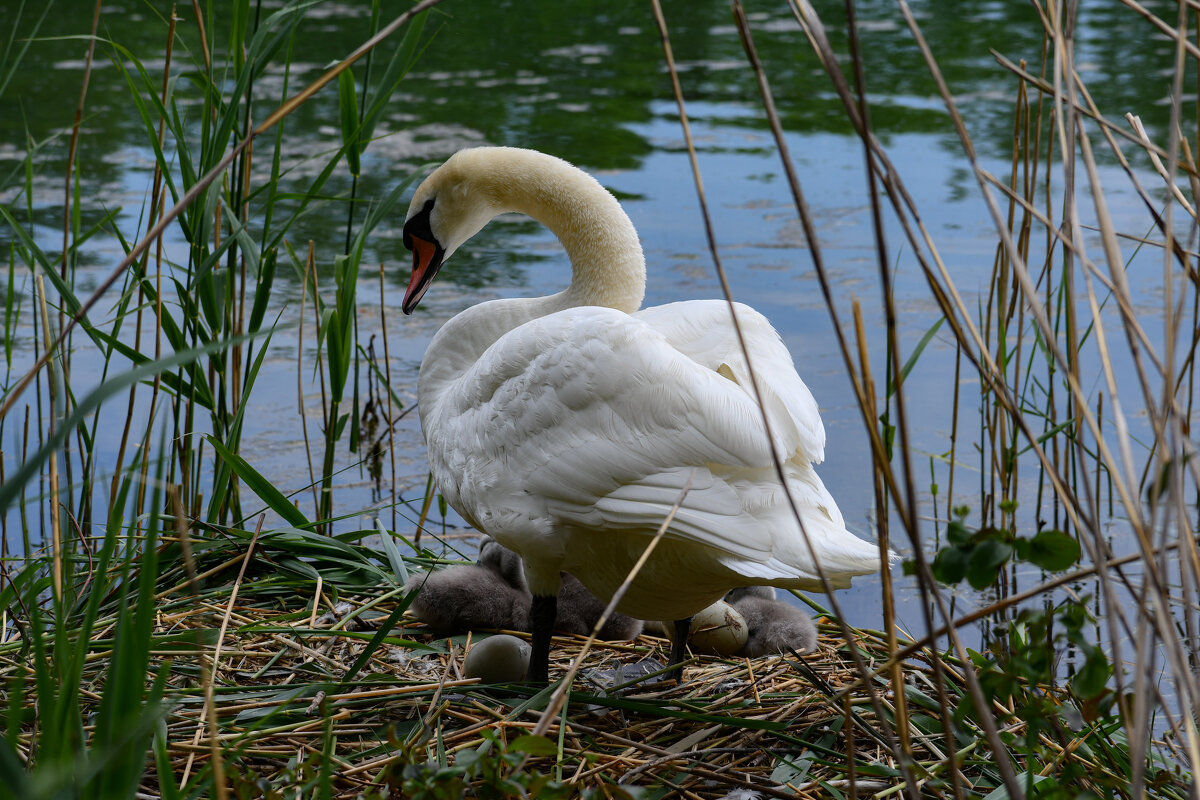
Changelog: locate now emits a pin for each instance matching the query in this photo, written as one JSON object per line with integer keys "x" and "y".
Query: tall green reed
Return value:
{"x": 222, "y": 292}
{"x": 179, "y": 348}
{"x": 109, "y": 760}
{"x": 1056, "y": 319}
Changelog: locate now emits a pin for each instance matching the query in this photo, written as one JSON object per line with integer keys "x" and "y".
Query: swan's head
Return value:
{"x": 449, "y": 207}
{"x": 476, "y": 184}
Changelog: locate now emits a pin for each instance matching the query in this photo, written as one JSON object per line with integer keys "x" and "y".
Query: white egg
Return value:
{"x": 717, "y": 630}
{"x": 497, "y": 659}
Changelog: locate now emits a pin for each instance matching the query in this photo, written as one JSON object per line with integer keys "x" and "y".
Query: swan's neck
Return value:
{"x": 607, "y": 267}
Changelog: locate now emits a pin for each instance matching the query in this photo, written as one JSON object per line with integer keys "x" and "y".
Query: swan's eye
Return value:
{"x": 419, "y": 225}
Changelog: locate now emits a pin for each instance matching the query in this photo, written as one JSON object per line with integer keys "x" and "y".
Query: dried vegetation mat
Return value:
{"x": 350, "y": 700}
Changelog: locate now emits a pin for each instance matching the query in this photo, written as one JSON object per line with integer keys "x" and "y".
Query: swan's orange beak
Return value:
{"x": 427, "y": 255}
{"x": 427, "y": 259}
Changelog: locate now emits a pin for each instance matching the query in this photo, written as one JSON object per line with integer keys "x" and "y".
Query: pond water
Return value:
{"x": 586, "y": 81}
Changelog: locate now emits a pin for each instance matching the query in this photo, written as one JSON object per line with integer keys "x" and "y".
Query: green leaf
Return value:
{"x": 957, "y": 532}
{"x": 245, "y": 243}
{"x": 336, "y": 351}
{"x": 534, "y": 746}
{"x": 16, "y": 46}
{"x": 889, "y": 435}
{"x": 1022, "y": 780}
{"x": 262, "y": 487}
{"x": 384, "y": 629}
{"x": 1092, "y": 678}
{"x": 301, "y": 568}
{"x": 393, "y": 554}
{"x": 950, "y": 564}
{"x": 12, "y": 771}
{"x": 1073, "y": 615}
{"x": 985, "y": 562}
{"x": 262, "y": 293}
{"x": 401, "y": 62}
{"x": 348, "y": 103}
{"x": 1053, "y": 550}
{"x": 788, "y": 771}
{"x": 911, "y": 361}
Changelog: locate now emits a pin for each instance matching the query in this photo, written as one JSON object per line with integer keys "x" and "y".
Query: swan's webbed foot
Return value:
{"x": 541, "y": 624}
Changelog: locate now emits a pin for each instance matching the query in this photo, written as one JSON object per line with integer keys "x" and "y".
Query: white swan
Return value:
{"x": 567, "y": 426}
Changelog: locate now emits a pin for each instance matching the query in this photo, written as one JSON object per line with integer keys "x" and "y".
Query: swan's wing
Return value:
{"x": 590, "y": 415}
{"x": 702, "y": 330}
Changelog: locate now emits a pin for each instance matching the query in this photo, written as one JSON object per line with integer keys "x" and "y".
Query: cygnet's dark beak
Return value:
{"x": 427, "y": 256}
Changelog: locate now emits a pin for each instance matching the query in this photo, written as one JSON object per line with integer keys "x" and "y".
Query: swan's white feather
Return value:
{"x": 588, "y": 419}
{"x": 568, "y": 430}
{"x": 703, "y": 330}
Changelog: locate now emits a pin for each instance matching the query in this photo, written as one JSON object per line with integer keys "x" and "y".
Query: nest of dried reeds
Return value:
{"x": 284, "y": 711}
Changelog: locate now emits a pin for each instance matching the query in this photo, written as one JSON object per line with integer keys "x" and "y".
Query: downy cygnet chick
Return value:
{"x": 578, "y": 609}
{"x": 765, "y": 592}
{"x": 467, "y": 598}
{"x": 774, "y": 626}
{"x": 760, "y": 625}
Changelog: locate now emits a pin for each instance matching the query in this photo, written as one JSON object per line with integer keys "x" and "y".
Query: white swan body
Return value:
{"x": 568, "y": 426}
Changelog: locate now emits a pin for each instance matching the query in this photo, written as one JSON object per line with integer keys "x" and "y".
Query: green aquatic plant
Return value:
{"x": 979, "y": 556}
{"x": 70, "y": 753}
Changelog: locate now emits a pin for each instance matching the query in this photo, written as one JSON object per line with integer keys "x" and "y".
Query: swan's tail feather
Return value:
{"x": 838, "y": 568}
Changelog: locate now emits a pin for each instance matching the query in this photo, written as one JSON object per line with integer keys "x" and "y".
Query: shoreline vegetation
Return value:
{"x": 159, "y": 637}
{"x": 301, "y": 695}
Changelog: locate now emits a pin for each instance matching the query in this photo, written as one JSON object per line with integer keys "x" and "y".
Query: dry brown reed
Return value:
{"x": 779, "y": 725}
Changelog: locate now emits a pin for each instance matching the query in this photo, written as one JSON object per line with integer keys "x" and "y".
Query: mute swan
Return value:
{"x": 568, "y": 426}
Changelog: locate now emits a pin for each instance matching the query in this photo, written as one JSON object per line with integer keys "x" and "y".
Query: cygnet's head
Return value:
{"x": 503, "y": 562}
{"x": 765, "y": 592}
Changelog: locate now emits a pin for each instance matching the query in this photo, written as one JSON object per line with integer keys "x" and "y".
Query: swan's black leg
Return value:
{"x": 541, "y": 623}
{"x": 679, "y": 647}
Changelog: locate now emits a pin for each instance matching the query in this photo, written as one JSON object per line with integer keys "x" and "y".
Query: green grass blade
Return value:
{"x": 11, "y": 488}
{"x": 402, "y": 60}
{"x": 911, "y": 361}
{"x": 393, "y": 554}
{"x": 12, "y": 53}
{"x": 377, "y": 640}
{"x": 348, "y": 105}
{"x": 262, "y": 487}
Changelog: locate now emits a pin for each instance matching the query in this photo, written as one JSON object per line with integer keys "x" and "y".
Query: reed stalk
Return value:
{"x": 134, "y": 629}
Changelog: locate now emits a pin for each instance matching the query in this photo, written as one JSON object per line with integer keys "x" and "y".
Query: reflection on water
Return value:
{"x": 585, "y": 81}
